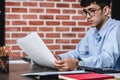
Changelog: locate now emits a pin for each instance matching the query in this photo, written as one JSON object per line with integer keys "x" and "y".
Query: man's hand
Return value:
{"x": 66, "y": 64}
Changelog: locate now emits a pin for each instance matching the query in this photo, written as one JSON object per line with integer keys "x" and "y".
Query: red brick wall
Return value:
{"x": 58, "y": 22}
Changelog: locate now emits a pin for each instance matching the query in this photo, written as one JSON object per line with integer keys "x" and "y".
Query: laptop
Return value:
{"x": 99, "y": 70}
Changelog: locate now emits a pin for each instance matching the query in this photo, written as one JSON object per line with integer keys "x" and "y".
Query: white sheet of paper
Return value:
{"x": 36, "y": 49}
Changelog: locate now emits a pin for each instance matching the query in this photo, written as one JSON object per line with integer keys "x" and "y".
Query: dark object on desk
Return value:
{"x": 49, "y": 77}
{"x": 28, "y": 59}
{"x": 45, "y": 77}
{"x": 4, "y": 64}
{"x": 99, "y": 70}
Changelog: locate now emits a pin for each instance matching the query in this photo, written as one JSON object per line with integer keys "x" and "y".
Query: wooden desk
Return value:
{"x": 15, "y": 71}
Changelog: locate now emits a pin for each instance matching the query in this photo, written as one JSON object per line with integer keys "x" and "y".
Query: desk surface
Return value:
{"x": 15, "y": 71}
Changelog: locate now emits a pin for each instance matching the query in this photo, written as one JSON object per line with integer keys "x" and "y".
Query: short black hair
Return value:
{"x": 101, "y": 3}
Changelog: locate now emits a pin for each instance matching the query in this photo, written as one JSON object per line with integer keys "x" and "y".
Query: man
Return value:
{"x": 99, "y": 47}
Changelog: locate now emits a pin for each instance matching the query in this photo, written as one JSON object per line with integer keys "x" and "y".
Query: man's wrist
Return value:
{"x": 80, "y": 62}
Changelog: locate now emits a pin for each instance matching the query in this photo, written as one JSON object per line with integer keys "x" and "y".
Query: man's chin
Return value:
{"x": 92, "y": 25}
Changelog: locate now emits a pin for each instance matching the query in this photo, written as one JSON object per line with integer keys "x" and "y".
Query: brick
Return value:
{"x": 28, "y": 29}
{"x": 62, "y": 41}
{"x": 41, "y": 34}
{"x": 36, "y": 22}
{"x": 12, "y": 29}
{"x": 78, "y": 18}
{"x": 81, "y": 35}
{"x": 62, "y": 5}
{"x": 29, "y": 16}
{"x": 23, "y": 10}
{"x": 46, "y": 17}
{"x": 7, "y": 22}
{"x": 53, "y": 47}
{"x": 60, "y": 52}
{"x": 76, "y": 6}
{"x": 46, "y": 29}
{"x": 52, "y": 23}
{"x": 68, "y": 47}
{"x": 18, "y": 35}
{"x": 29, "y": 3}
{"x": 83, "y": 23}
{"x": 34, "y": 10}
{"x": 12, "y": 16}
{"x": 64, "y": 35}
{"x": 12, "y": 3}
{"x": 52, "y": 11}
{"x": 7, "y": 35}
{"x": 76, "y": 41}
{"x": 19, "y": 22}
{"x": 78, "y": 29}
{"x": 69, "y": 23}
{"x": 45, "y": 4}
{"x": 52, "y": 35}
{"x": 48, "y": 40}
{"x": 62, "y": 17}
{"x": 16, "y": 48}
{"x": 65, "y": 11}
{"x": 10, "y": 41}
{"x": 7, "y": 9}
{"x": 62, "y": 29}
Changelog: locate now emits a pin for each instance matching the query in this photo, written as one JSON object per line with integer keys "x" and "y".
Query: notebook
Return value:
{"x": 36, "y": 49}
{"x": 89, "y": 76}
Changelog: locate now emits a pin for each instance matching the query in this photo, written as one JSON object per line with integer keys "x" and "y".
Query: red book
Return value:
{"x": 87, "y": 76}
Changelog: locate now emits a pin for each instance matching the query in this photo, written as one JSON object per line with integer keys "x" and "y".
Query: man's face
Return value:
{"x": 94, "y": 14}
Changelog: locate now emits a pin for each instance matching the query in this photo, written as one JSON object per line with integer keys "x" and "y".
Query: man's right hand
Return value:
{"x": 66, "y": 64}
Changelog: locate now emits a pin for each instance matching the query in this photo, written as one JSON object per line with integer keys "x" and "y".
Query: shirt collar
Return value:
{"x": 103, "y": 30}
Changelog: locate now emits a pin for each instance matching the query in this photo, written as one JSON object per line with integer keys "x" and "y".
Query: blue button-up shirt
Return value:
{"x": 98, "y": 48}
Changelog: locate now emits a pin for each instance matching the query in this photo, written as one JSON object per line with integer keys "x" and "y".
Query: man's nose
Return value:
{"x": 88, "y": 15}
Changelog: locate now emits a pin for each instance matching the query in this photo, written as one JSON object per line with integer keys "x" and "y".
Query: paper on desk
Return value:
{"x": 36, "y": 49}
{"x": 54, "y": 73}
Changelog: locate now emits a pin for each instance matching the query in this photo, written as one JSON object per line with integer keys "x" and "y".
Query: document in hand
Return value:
{"x": 33, "y": 45}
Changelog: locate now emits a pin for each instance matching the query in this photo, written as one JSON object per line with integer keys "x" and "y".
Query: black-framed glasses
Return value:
{"x": 91, "y": 12}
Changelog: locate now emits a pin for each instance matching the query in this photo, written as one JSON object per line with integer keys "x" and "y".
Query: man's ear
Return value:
{"x": 106, "y": 10}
